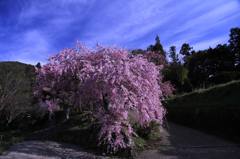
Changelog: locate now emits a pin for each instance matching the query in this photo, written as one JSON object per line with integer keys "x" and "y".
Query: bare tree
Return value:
{"x": 12, "y": 98}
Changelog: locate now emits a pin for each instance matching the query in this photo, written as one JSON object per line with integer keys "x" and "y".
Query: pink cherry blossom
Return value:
{"x": 111, "y": 83}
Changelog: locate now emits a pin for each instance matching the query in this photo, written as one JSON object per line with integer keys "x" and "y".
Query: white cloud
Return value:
{"x": 30, "y": 47}
{"x": 210, "y": 18}
{"x": 45, "y": 24}
{"x": 210, "y": 43}
{"x": 131, "y": 20}
{"x": 179, "y": 21}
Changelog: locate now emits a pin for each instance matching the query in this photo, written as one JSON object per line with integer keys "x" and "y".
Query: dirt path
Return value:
{"x": 178, "y": 143}
{"x": 184, "y": 143}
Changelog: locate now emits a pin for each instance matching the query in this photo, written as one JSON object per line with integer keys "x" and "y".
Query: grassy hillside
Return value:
{"x": 16, "y": 100}
{"x": 16, "y": 80}
{"x": 19, "y": 71}
{"x": 216, "y": 109}
{"x": 227, "y": 94}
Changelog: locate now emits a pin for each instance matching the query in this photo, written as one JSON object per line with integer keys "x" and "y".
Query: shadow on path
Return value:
{"x": 47, "y": 150}
{"x": 179, "y": 142}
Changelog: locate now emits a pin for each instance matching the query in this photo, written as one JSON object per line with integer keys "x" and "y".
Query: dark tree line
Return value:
{"x": 213, "y": 65}
{"x": 203, "y": 68}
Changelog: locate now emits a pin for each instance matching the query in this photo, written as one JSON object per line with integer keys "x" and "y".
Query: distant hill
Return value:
{"x": 19, "y": 72}
{"x": 16, "y": 81}
{"x": 16, "y": 67}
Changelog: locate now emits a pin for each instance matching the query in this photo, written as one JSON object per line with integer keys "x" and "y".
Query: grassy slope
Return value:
{"x": 16, "y": 77}
{"x": 17, "y": 72}
{"x": 223, "y": 95}
{"x": 18, "y": 68}
{"x": 215, "y": 110}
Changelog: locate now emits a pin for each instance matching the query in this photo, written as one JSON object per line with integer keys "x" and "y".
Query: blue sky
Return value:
{"x": 33, "y": 30}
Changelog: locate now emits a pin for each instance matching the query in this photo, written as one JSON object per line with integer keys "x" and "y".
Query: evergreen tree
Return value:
{"x": 234, "y": 42}
{"x": 38, "y": 65}
{"x": 186, "y": 49}
{"x": 157, "y": 47}
{"x": 173, "y": 55}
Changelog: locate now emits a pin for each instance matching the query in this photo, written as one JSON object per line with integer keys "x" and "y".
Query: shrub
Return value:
{"x": 119, "y": 88}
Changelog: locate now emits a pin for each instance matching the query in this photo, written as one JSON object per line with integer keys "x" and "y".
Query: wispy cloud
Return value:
{"x": 30, "y": 47}
{"x": 30, "y": 31}
{"x": 210, "y": 42}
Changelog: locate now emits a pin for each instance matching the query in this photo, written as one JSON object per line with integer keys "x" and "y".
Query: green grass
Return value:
{"x": 215, "y": 109}
{"x": 20, "y": 70}
{"x": 227, "y": 94}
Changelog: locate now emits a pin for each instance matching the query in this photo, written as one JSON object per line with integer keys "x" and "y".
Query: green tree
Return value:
{"x": 186, "y": 49}
{"x": 206, "y": 67}
{"x": 173, "y": 55}
{"x": 157, "y": 47}
{"x": 177, "y": 74}
{"x": 234, "y": 44}
{"x": 38, "y": 65}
